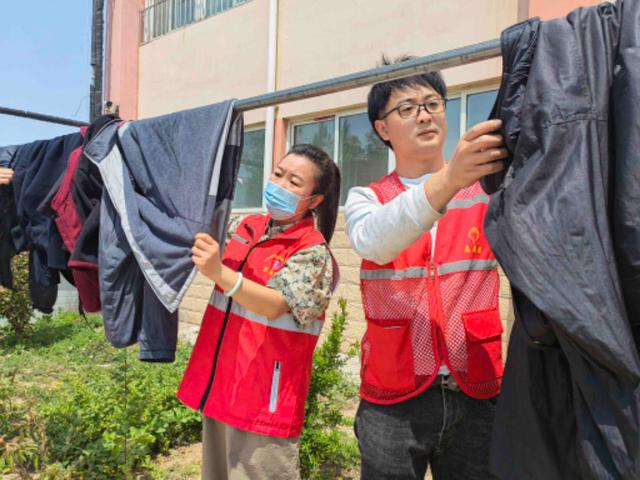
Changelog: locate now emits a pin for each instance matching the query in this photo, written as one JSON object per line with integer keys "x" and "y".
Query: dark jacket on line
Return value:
{"x": 563, "y": 222}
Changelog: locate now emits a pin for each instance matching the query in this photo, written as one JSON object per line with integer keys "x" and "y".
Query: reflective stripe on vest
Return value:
{"x": 469, "y": 202}
{"x": 420, "y": 272}
{"x": 283, "y": 322}
{"x": 467, "y": 265}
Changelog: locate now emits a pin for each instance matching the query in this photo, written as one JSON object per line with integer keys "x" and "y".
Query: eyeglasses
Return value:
{"x": 408, "y": 110}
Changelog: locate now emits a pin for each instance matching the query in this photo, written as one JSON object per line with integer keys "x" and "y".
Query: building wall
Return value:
{"x": 221, "y": 57}
{"x": 225, "y": 56}
{"x": 121, "y": 51}
{"x": 346, "y": 37}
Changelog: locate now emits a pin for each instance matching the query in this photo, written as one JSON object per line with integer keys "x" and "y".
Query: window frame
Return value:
{"x": 463, "y": 96}
{"x": 307, "y": 119}
{"x": 167, "y": 18}
{"x": 266, "y": 173}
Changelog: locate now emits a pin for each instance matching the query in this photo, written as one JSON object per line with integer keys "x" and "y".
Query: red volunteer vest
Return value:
{"x": 246, "y": 370}
{"x": 433, "y": 306}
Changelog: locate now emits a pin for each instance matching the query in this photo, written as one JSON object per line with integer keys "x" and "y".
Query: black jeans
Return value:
{"x": 445, "y": 429}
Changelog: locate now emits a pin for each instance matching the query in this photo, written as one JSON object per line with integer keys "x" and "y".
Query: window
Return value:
{"x": 321, "y": 134}
{"x": 248, "y": 192}
{"x": 453, "y": 126}
{"x": 465, "y": 111}
{"x": 362, "y": 157}
{"x": 183, "y": 13}
{"x": 479, "y": 106}
{"x": 160, "y": 17}
{"x": 213, "y": 7}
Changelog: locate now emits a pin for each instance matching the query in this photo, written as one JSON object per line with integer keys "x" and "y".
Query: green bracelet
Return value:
{"x": 236, "y": 287}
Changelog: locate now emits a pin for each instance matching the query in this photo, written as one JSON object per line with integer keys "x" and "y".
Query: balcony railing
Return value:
{"x": 163, "y": 16}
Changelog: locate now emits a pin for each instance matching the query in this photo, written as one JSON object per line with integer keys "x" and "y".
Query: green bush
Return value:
{"x": 15, "y": 305}
{"x": 327, "y": 447}
{"x": 86, "y": 426}
{"x": 102, "y": 429}
{"x": 64, "y": 412}
{"x": 22, "y": 438}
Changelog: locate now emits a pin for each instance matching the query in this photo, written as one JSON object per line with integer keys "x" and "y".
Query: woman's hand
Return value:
{"x": 257, "y": 298}
{"x": 205, "y": 254}
{"x": 6, "y": 175}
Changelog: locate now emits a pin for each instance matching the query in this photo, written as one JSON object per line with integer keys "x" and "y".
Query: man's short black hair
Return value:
{"x": 380, "y": 92}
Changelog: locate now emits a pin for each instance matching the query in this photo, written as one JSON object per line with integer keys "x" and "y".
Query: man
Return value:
{"x": 431, "y": 356}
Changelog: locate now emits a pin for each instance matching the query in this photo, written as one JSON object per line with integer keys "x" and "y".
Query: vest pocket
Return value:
{"x": 389, "y": 362}
{"x": 275, "y": 383}
{"x": 484, "y": 345}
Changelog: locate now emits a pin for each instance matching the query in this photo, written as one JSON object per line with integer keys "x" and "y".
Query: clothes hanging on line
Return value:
{"x": 166, "y": 179}
{"x": 563, "y": 224}
{"x": 115, "y": 208}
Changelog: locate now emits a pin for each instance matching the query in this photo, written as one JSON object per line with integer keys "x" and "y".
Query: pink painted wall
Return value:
{"x": 547, "y": 9}
{"x": 121, "y": 50}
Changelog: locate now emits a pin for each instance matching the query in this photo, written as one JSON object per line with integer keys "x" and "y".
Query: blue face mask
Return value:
{"x": 280, "y": 202}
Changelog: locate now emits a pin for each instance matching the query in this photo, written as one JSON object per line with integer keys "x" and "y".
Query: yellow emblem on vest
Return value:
{"x": 474, "y": 236}
{"x": 274, "y": 263}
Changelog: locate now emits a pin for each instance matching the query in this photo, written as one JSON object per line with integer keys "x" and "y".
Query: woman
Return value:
{"x": 250, "y": 369}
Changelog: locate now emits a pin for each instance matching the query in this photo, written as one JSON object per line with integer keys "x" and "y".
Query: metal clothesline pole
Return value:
{"x": 438, "y": 61}
{"x": 42, "y": 117}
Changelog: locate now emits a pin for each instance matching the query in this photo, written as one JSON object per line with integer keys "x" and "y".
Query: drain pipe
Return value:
{"x": 97, "y": 59}
{"x": 272, "y": 58}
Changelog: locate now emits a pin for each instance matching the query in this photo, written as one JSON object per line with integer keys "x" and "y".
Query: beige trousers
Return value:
{"x": 232, "y": 454}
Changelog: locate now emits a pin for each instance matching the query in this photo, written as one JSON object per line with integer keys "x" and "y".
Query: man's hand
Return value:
{"x": 206, "y": 256}
{"x": 6, "y": 175}
{"x": 478, "y": 153}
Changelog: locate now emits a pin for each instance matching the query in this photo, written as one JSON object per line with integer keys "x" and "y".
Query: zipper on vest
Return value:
{"x": 275, "y": 382}
{"x": 207, "y": 391}
{"x": 439, "y": 315}
{"x": 435, "y": 292}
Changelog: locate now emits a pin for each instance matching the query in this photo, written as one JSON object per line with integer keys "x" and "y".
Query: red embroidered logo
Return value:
{"x": 474, "y": 237}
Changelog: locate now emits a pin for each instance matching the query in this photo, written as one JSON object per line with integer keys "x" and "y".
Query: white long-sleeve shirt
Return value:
{"x": 380, "y": 232}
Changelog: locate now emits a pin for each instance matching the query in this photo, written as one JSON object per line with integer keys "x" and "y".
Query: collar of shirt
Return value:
{"x": 414, "y": 182}
{"x": 273, "y": 230}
